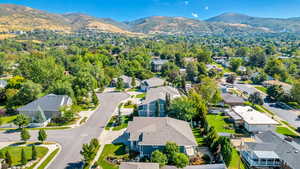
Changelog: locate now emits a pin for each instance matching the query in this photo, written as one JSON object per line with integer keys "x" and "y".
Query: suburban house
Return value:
{"x": 286, "y": 87}
{"x": 137, "y": 165}
{"x": 232, "y": 100}
{"x": 147, "y": 134}
{"x": 271, "y": 150}
{"x": 126, "y": 80}
{"x": 151, "y": 83}
{"x": 42, "y": 110}
{"x": 252, "y": 120}
{"x": 157, "y": 63}
{"x": 3, "y": 83}
{"x": 157, "y": 97}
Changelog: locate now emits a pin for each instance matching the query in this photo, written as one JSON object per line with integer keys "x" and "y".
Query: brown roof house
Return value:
{"x": 147, "y": 134}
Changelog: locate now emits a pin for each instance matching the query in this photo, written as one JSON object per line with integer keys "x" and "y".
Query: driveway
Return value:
{"x": 291, "y": 116}
{"x": 72, "y": 140}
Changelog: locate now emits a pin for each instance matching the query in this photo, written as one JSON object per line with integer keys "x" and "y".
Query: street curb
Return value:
{"x": 51, "y": 161}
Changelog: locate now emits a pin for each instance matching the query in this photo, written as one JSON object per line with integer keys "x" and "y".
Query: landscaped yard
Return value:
{"x": 113, "y": 121}
{"x": 199, "y": 138}
{"x": 261, "y": 88}
{"x": 141, "y": 96}
{"x": 285, "y": 131}
{"x": 7, "y": 119}
{"x": 218, "y": 122}
{"x": 15, "y": 152}
{"x": 117, "y": 151}
{"x": 49, "y": 158}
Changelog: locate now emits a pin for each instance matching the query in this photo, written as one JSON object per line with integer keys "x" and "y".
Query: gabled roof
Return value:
{"x": 289, "y": 152}
{"x": 232, "y": 99}
{"x": 154, "y": 94}
{"x": 154, "y": 82}
{"x": 49, "y": 102}
{"x": 136, "y": 165}
{"x": 158, "y": 131}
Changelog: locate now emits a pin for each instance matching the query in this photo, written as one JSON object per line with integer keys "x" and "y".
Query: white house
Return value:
{"x": 254, "y": 121}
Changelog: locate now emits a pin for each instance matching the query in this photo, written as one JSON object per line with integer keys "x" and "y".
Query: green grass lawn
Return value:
{"x": 15, "y": 152}
{"x": 112, "y": 150}
{"x": 236, "y": 161}
{"x": 199, "y": 138}
{"x": 49, "y": 158}
{"x": 285, "y": 131}
{"x": 120, "y": 127}
{"x": 261, "y": 88}
{"x": 141, "y": 96}
{"x": 131, "y": 106}
{"x": 7, "y": 119}
{"x": 217, "y": 121}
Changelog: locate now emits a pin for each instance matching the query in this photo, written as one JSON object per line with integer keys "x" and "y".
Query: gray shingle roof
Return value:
{"x": 160, "y": 130}
{"x": 154, "y": 82}
{"x": 287, "y": 151}
{"x": 232, "y": 99}
{"x": 160, "y": 93}
{"x": 133, "y": 165}
{"x": 49, "y": 102}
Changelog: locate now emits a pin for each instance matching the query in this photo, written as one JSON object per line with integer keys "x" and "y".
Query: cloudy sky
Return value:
{"x": 132, "y": 9}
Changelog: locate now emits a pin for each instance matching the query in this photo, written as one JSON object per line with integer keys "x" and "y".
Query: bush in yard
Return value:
{"x": 170, "y": 149}
{"x": 180, "y": 160}
{"x": 159, "y": 157}
{"x": 42, "y": 135}
{"x": 23, "y": 158}
{"x": 34, "y": 153}
{"x": 89, "y": 151}
{"x": 21, "y": 121}
{"x": 256, "y": 98}
{"x": 25, "y": 136}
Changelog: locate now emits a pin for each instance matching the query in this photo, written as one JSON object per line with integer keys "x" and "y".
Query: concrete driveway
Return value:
{"x": 72, "y": 140}
{"x": 291, "y": 116}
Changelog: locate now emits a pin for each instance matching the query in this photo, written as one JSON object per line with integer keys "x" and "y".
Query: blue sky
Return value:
{"x": 133, "y": 9}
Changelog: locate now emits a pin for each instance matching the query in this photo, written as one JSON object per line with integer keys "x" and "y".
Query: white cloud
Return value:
{"x": 195, "y": 15}
{"x": 186, "y": 2}
{"x": 206, "y": 8}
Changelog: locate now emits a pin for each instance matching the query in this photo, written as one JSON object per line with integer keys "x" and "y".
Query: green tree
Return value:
{"x": 120, "y": 84}
{"x": 95, "y": 99}
{"x": 235, "y": 64}
{"x": 170, "y": 149}
{"x": 231, "y": 78}
{"x": 34, "y": 153}
{"x": 42, "y": 135}
{"x": 180, "y": 160}
{"x": 23, "y": 157}
{"x": 25, "y": 136}
{"x": 183, "y": 108}
{"x": 8, "y": 159}
{"x": 29, "y": 92}
{"x": 133, "y": 82}
{"x": 256, "y": 98}
{"x": 295, "y": 91}
{"x": 159, "y": 157}
{"x": 209, "y": 90}
{"x": 226, "y": 149}
{"x": 21, "y": 121}
{"x": 275, "y": 91}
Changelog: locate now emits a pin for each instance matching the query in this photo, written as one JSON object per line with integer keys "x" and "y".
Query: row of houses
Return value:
{"x": 133, "y": 165}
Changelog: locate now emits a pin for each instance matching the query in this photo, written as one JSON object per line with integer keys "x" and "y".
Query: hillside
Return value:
{"x": 273, "y": 24}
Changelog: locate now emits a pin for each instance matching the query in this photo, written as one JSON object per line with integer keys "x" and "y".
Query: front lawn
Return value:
{"x": 113, "y": 121}
{"x": 49, "y": 158}
{"x": 261, "y": 88}
{"x": 116, "y": 151}
{"x": 219, "y": 123}
{"x": 285, "y": 131}
{"x": 7, "y": 119}
{"x": 15, "y": 152}
{"x": 141, "y": 96}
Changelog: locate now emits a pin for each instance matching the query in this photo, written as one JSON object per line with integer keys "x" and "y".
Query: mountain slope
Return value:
{"x": 272, "y": 24}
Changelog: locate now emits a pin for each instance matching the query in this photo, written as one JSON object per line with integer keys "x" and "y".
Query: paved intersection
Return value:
{"x": 72, "y": 140}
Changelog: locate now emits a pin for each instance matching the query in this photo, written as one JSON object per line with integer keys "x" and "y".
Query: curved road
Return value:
{"x": 72, "y": 140}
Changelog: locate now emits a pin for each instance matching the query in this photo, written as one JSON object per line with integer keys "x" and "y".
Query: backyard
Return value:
{"x": 15, "y": 152}
{"x": 7, "y": 119}
{"x": 220, "y": 124}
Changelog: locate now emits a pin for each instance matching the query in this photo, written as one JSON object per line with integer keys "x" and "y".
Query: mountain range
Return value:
{"x": 15, "y": 18}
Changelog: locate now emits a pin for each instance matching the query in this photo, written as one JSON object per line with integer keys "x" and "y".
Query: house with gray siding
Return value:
{"x": 126, "y": 80}
{"x": 271, "y": 150}
{"x": 147, "y": 134}
{"x": 155, "y": 96}
{"x": 43, "y": 109}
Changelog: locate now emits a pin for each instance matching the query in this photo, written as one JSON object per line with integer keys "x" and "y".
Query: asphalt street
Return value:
{"x": 291, "y": 116}
{"x": 72, "y": 140}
